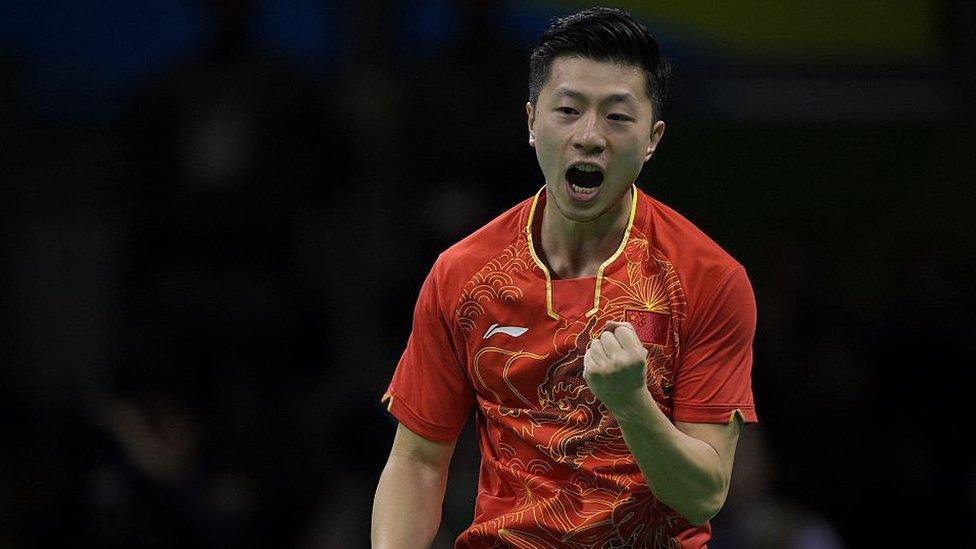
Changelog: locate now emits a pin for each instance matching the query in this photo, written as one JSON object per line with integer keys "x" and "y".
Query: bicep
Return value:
{"x": 409, "y": 445}
{"x": 407, "y": 505}
{"x": 722, "y": 437}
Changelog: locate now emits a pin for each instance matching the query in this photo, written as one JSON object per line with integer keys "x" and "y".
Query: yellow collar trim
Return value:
{"x": 599, "y": 272}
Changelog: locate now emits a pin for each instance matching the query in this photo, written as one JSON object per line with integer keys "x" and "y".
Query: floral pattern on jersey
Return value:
{"x": 559, "y": 452}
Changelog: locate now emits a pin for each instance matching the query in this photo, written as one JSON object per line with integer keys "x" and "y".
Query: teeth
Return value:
{"x": 586, "y": 168}
{"x": 582, "y": 190}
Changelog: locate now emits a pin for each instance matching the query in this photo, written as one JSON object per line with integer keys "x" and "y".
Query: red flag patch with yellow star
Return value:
{"x": 651, "y": 327}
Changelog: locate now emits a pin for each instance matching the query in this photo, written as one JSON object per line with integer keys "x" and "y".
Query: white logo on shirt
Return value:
{"x": 513, "y": 331}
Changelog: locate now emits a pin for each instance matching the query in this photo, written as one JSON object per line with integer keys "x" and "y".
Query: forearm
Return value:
{"x": 683, "y": 472}
{"x": 407, "y": 505}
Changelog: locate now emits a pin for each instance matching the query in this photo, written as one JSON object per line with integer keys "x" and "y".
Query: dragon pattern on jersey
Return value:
{"x": 558, "y": 451}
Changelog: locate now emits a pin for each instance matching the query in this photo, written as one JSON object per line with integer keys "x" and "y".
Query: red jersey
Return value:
{"x": 494, "y": 331}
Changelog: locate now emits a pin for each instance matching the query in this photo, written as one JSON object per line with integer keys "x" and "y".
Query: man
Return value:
{"x": 604, "y": 342}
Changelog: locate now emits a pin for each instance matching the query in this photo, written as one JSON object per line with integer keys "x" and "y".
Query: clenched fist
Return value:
{"x": 615, "y": 365}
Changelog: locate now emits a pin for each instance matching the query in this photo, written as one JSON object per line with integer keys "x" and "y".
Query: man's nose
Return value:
{"x": 589, "y": 138}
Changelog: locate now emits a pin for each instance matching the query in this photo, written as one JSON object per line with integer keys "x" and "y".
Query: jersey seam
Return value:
{"x": 399, "y": 403}
{"x": 468, "y": 274}
{"x": 688, "y": 404}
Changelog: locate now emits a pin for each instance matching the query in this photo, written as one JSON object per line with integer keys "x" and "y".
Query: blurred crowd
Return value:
{"x": 206, "y": 288}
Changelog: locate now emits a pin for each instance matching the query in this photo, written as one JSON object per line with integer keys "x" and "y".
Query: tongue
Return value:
{"x": 584, "y": 179}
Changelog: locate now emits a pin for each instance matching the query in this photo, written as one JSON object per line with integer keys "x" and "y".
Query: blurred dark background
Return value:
{"x": 216, "y": 216}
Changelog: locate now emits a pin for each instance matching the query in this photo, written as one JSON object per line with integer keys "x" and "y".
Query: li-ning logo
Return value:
{"x": 513, "y": 331}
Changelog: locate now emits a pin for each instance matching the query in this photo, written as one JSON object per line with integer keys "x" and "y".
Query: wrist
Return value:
{"x": 631, "y": 406}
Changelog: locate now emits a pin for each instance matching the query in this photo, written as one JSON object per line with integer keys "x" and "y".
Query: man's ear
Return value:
{"x": 657, "y": 132}
{"x": 530, "y": 114}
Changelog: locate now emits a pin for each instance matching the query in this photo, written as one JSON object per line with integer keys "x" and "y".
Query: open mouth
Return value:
{"x": 584, "y": 178}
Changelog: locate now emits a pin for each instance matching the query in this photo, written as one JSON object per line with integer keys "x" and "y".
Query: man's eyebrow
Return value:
{"x": 563, "y": 91}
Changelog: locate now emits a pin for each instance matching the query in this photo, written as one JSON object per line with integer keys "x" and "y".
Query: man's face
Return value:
{"x": 592, "y": 131}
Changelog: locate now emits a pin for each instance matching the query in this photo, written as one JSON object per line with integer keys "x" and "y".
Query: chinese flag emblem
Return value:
{"x": 651, "y": 327}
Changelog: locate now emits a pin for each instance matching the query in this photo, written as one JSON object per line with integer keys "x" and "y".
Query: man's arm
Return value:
{"x": 408, "y": 501}
{"x": 688, "y": 466}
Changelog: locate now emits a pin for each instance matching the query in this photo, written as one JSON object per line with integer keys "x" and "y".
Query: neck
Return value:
{"x": 574, "y": 249}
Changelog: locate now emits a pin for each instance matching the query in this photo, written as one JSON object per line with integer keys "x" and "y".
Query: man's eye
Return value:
{"x": 566, "y": 110}
{"x": 619, "y": 117}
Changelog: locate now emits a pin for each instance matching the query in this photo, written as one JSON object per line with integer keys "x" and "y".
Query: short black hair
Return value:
{"x": 602, "y": 34}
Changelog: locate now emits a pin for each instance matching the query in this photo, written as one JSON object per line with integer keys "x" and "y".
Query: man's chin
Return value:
{"x": 587, "y": 212}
